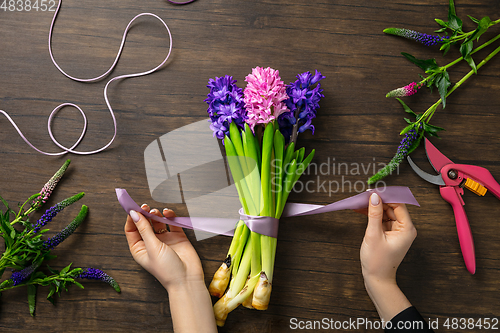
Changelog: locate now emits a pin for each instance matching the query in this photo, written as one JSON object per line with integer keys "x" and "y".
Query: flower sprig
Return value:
{"x": 265, "y": 165}
{"x": 437, "y": 76}
{"x": 26, "y": 250}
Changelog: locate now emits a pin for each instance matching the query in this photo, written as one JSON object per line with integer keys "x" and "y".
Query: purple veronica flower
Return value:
{"x": 96, "y": 274}
{"x": 49, "y": 187}
{"x": 19, "y": 277}
{"x": 67, "y": 231}
{"x": 225, "y": 105}
{"x": 428, "y": 40}
{"x": 401, "y": 153}
{"x": 52, "y": 211}
{"x": 406, "y": 143}
{"x": 304, "y": 96}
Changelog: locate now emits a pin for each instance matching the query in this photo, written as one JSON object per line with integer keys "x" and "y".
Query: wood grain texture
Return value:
{"x": 317, "y": 271}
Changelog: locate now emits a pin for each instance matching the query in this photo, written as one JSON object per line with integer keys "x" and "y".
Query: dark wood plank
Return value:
{"x": 318, "y": 272}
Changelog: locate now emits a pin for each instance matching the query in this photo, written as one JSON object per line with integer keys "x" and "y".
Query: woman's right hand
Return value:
{"x": 389, "y": 235}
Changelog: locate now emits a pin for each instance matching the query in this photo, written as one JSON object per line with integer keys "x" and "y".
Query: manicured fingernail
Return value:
{"x": 135, "y": 217}
{"x": 374, "y": 199}
{"x": 153, "y": 211}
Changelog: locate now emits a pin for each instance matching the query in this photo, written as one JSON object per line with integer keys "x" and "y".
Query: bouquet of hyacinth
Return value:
{"x": 259, "y": 127}
{"x": 26, "y": 249}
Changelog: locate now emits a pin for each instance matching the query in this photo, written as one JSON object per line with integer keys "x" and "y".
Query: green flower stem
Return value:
{"x": 465, "y": 35}
{"x": 237, "y": 234}
{"x": 241, "y": 242}
{"x": 256, "y": 240}
{"x": 430, "y": 111}
{"x": 265, "y": 180}
{"x": 236, "y": 172}
{"x": 456, "y": 61}
{"x": 238, "y": 281}
{"x": 44, "y": 282}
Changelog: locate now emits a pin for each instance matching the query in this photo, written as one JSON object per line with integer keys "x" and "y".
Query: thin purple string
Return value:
{"x": 95, "y": 79}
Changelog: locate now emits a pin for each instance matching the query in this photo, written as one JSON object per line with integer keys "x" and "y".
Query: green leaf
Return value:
{"x": 445, "y": 48}
{"x": 6, "y": 231}
{"x": 426, "y": 65}
{"x": 416, "y": 143}
{"x": 441, "y": 23}
{"x": 475, "y": 20}
{"x": 79, "y": 285}
{"x": 443, "y": 83}
{"x": 466, "y": 48}
{"x": 4, "y": 202}
{"x": 408, "y": 120}
{"x": 471, "y": 63}
{"x": 51, "y": 292}
{"x": 32, "y": 298}
{"x": 482, "y": 27}
{"x": 65, "y": 269}
{"x": 53, "y": 271}
{"x": 454, "y": 22}
{"x": 432, "y": 130}
{"x": 451, "y": 9}
{"x": 407, "y": 108}
{"x": 406, "y": 129}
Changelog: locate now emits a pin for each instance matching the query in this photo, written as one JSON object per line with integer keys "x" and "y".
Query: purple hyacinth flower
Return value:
{"x": 52, "y": 211}
{"x": 96, "y": 274}
{"x": 220, "y": 128}
{"x": 52, "y": 242}
{"x": 225, "y": 105}
{"x": 304, "y": 96}
{"x": 428, "y": 40}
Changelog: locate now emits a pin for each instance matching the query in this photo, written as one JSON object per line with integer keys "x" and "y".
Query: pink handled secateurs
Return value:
{"x": 452, "y": 178}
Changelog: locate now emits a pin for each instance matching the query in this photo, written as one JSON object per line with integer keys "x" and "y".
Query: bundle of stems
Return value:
{"x": 264, "y": 172}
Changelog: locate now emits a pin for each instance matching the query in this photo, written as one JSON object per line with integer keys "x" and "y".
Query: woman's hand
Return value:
{"x": 170, "y": 257}
{"x": 167, "y": 255}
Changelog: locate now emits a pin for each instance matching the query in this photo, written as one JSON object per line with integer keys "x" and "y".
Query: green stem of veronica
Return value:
{"x": 456, "y": 61}
{"x": 430, "y": 111}
{"x": 465, "y": 35}
{"x": 40, "y": 281}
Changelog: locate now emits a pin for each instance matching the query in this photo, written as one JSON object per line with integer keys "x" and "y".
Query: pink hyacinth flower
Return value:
{"x": 264, "y": 96}
{"x": 407, "y": 90}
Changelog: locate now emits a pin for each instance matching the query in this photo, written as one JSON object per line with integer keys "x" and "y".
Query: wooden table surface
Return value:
{"x": 317, "y": 271}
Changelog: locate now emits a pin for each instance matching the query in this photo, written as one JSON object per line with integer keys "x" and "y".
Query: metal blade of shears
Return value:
{"x": 436, "y": 158}
{"x": 434, "y": 179}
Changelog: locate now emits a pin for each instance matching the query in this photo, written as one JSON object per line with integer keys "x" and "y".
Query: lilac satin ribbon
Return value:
{"x": 71, "y": 149}
{"x": 266, "y": 225}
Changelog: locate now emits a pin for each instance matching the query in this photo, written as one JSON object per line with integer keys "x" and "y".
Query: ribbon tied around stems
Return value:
{"x": 266, "y": 225}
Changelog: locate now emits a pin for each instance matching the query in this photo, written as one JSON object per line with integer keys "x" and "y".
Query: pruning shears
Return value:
{"x": 452, "y": 178}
